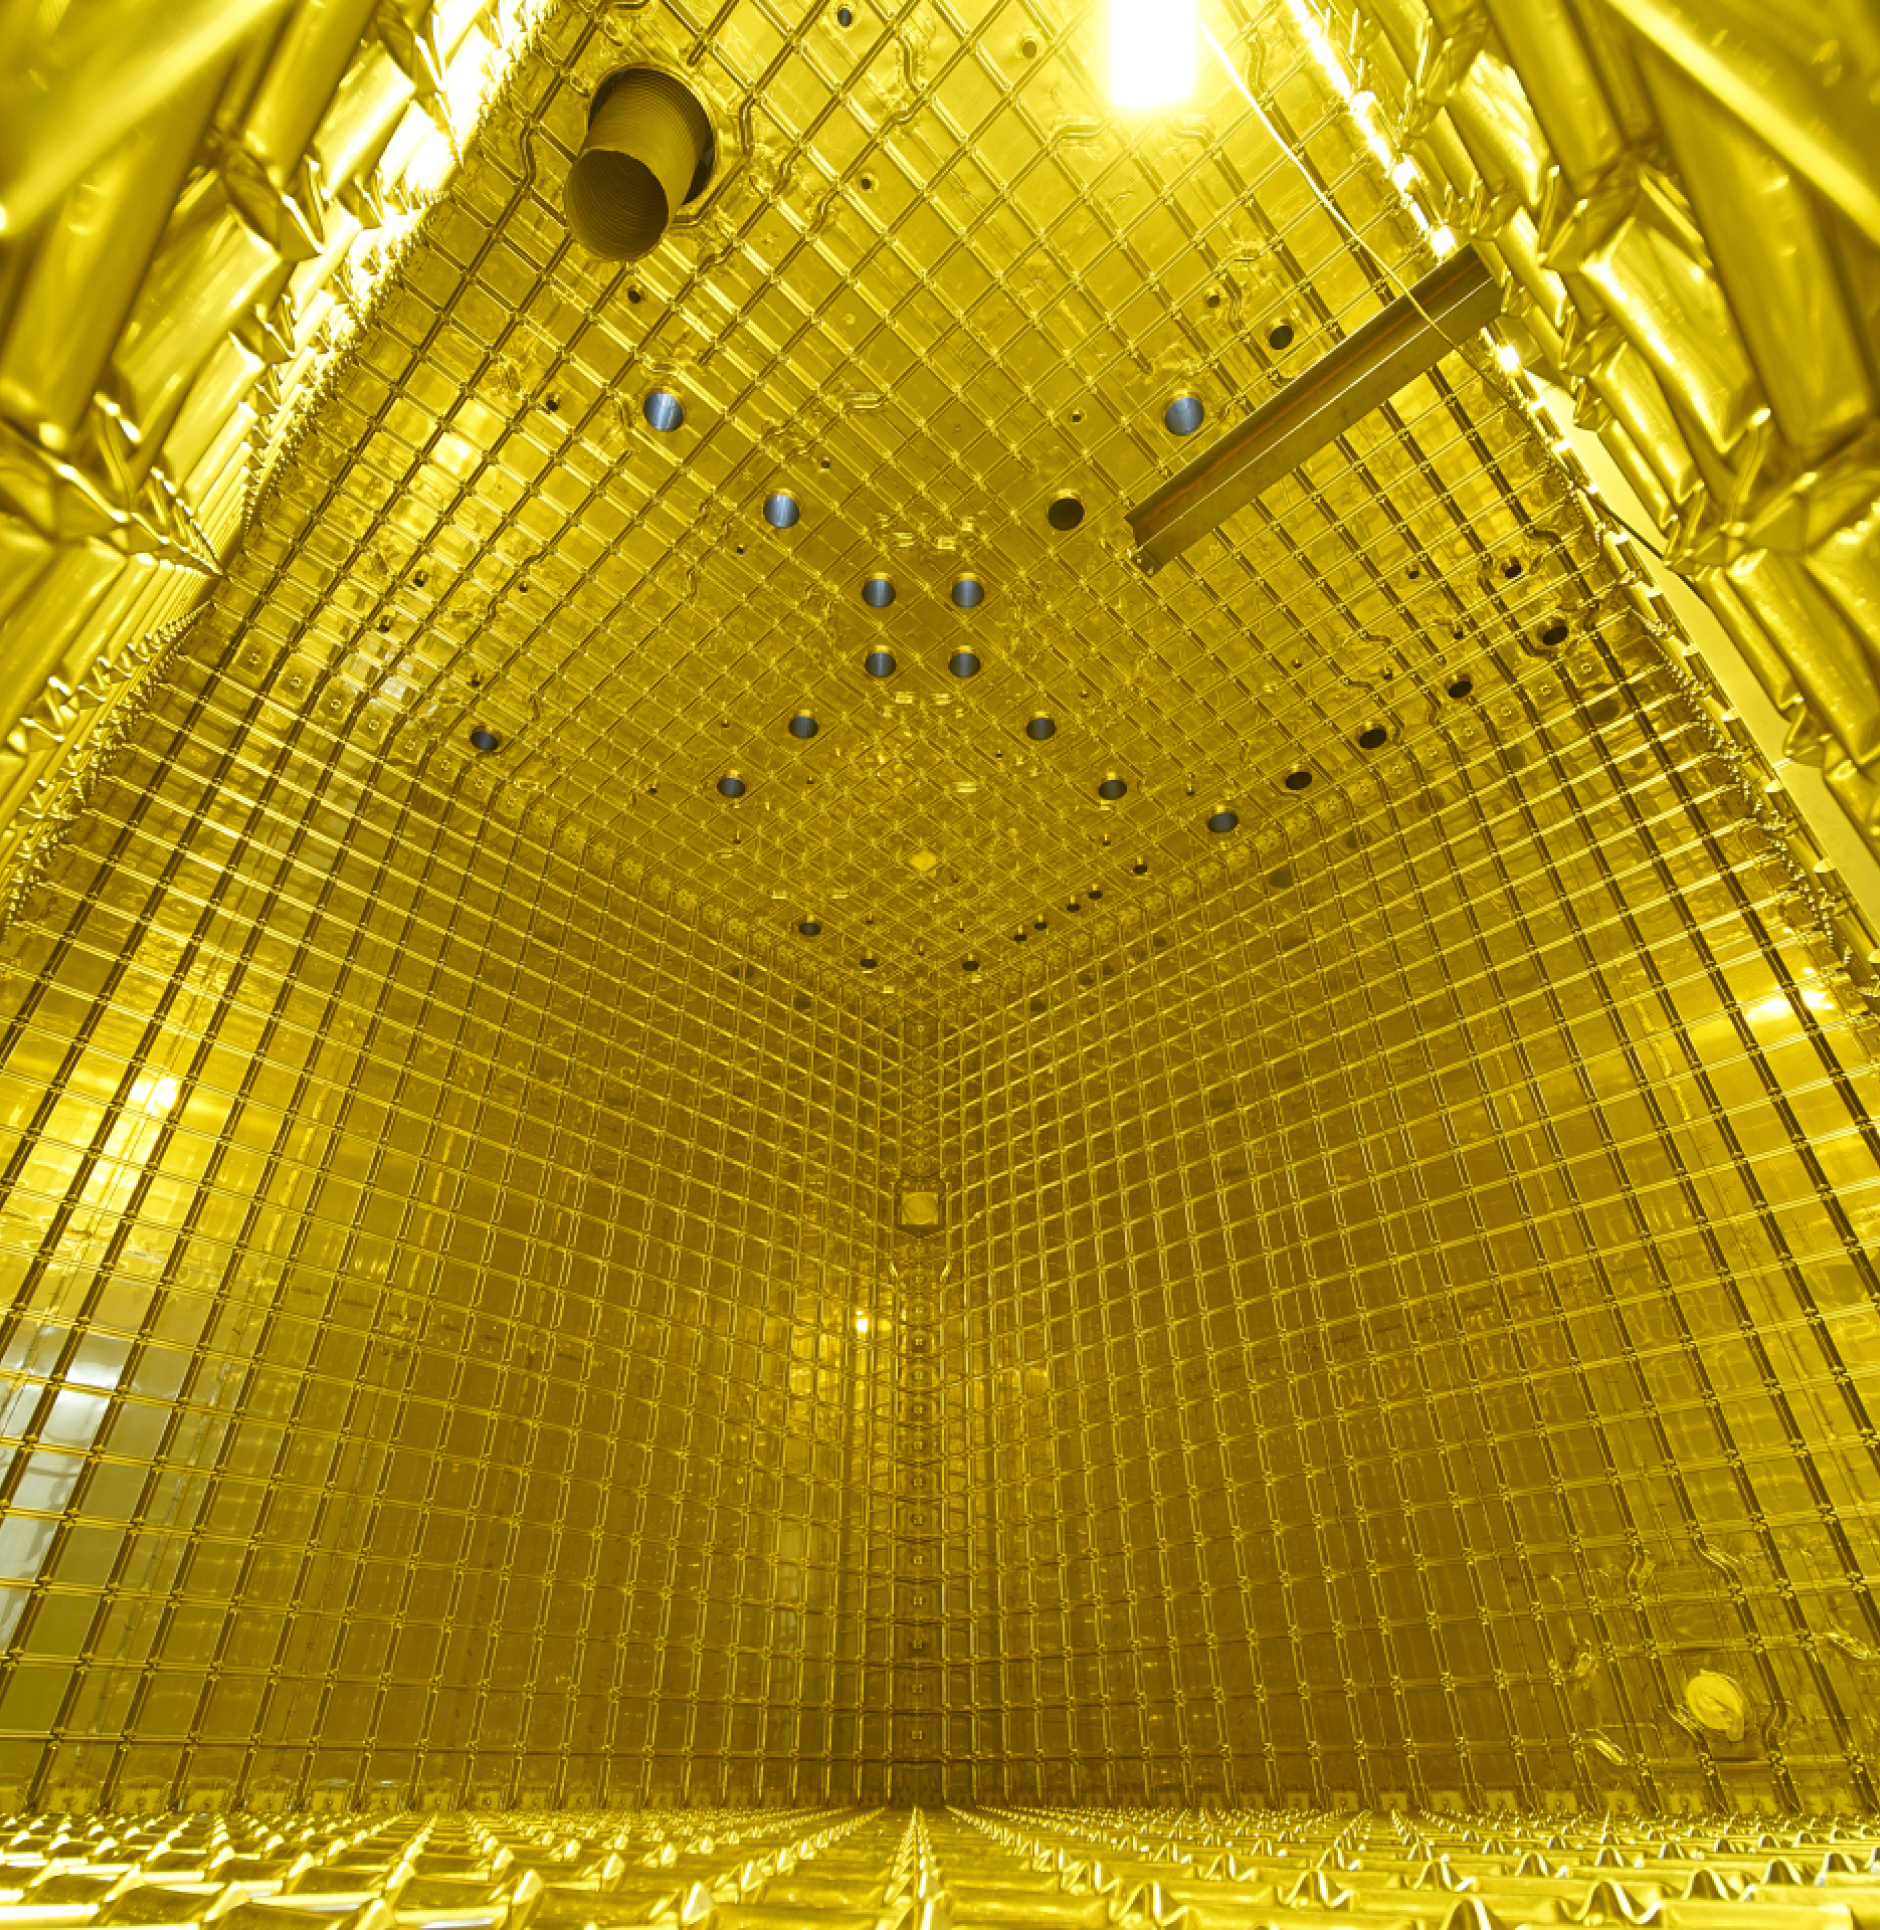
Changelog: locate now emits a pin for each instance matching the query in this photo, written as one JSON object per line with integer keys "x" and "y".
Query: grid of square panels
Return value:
{"x": 940, "y": 284}
{"x": 1417, "y": 1304}
{"x": 432, "y": 1267}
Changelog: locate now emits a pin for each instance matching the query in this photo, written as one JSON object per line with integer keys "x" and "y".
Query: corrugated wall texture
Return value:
{"x": 1418, "y": 1301}
{"x": 432, "y": 1270}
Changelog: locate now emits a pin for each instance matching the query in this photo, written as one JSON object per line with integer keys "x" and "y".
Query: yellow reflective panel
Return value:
{"x": 742, "y": 1183}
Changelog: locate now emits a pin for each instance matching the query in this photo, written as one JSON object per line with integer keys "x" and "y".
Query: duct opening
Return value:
{"x": 647, "y": 152}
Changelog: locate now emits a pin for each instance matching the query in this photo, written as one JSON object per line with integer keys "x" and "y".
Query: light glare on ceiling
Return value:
{"x": 1154, "y": 49}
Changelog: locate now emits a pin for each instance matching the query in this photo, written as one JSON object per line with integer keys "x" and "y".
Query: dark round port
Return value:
{"x": 810, "y": 929}
{"x": 731, "y": 787}
{"x": 1222, "y": 821}
{"x": 968, "y": 593}
{"x": 878, "y": 663}
{"x": 484, "y": 740}
{"x": 1461, "y": 688}
{"x": 1554, "y": 635}
{"x": 963, "y": 663}
{"x": 1281, "y": 337}
{"x": 782, "y": 510}
{"x": 1373, "y": 739}
{"x": 804, "y": 728}
{"x": 878, "y": 592}
{"x": 1298, "y": 780}
{"x": 1066, "y": 513}
{"x": 1039, "y": 729}
{"x": 1111, "y": 789}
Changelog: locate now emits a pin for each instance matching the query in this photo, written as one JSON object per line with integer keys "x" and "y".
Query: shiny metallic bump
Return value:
{"x": 1038, "y": 729}
{"x": 968, "y": 593}
{"x": 804, "y": 727}
{"x": 664, "y": 411}
{"x": 483, "y": 739}
{"x": 731, "y": 787}
{"x": 879, "y": 663}
{"x": 1111, "y": 789}
{"x": 647, "y": 151}
{"x": 1223, "y": 821}
{"x": 963, "y": 663}
{"x": 878, "y": 592}
{"x": 1184, "y": 415}
{"x": 782, "y": 510}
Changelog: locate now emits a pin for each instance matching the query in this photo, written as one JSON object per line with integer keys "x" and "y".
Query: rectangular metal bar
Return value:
{"x": 1367, "y": 368}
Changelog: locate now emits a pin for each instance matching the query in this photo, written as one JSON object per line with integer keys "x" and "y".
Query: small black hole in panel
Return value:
{"x": 1554, "y": 635}
{"x": 1373, "y": 739}
{"x": 1298, "y": 780}
{"x": 1066, "y": 513}
{"x": 1461, "y": 688}
{"x": 1281, "y": 337}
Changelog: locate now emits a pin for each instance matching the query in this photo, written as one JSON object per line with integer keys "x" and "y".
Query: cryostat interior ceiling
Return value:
{"x": 375, "y": 402}
{"x": 936, "y": 288}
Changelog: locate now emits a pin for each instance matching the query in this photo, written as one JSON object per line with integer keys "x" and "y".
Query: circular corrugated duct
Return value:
{"x": 648, "y": 151}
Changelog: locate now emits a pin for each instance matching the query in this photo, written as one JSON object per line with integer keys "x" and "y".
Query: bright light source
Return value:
{"x": 1154, "y": 51}
{"x": 154, "y": 1096}
{"x": 1509, "y": 358}
{"x": 1444, "y": 241}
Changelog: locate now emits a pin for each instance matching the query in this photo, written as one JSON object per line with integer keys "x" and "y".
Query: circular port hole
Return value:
{"x": 1298, "y": 780}
{"x": 1281, "y": 336}
{"x": 1040, "y": 728}
{"x": 968, "y": 593}
{"x": 731, "y": 787}
{"x": 879, "y": 663}
{"x": 845, "y": 17}
{"x": 1512, "y": 569}
{"x": 782, "y": 510}
{"x": 1184, "y": 415}
{"x": 1111, "y": 789}
{"x": 1066, "y": 513}
{"x": 1461, "y": 688}
{"x": 804, "y": 728}
{"x": 664, "y": 411}
{"x": 1374, "y": 738}
{"x": 484, "y": 740}
{"x": 878, "y": 592}
{"x": 963, "y": 663}
{"x": 1222, "y": 821}
{"x": 868, "y": 964}
{"x": 810, "y": 929}
{"x": 1554, "y": 635}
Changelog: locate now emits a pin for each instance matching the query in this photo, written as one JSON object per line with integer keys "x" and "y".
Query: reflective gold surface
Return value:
{"x": 1370, "y": 1306}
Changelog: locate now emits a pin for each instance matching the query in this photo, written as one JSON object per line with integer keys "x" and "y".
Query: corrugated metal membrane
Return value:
{"x": 573, "y": 1248}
